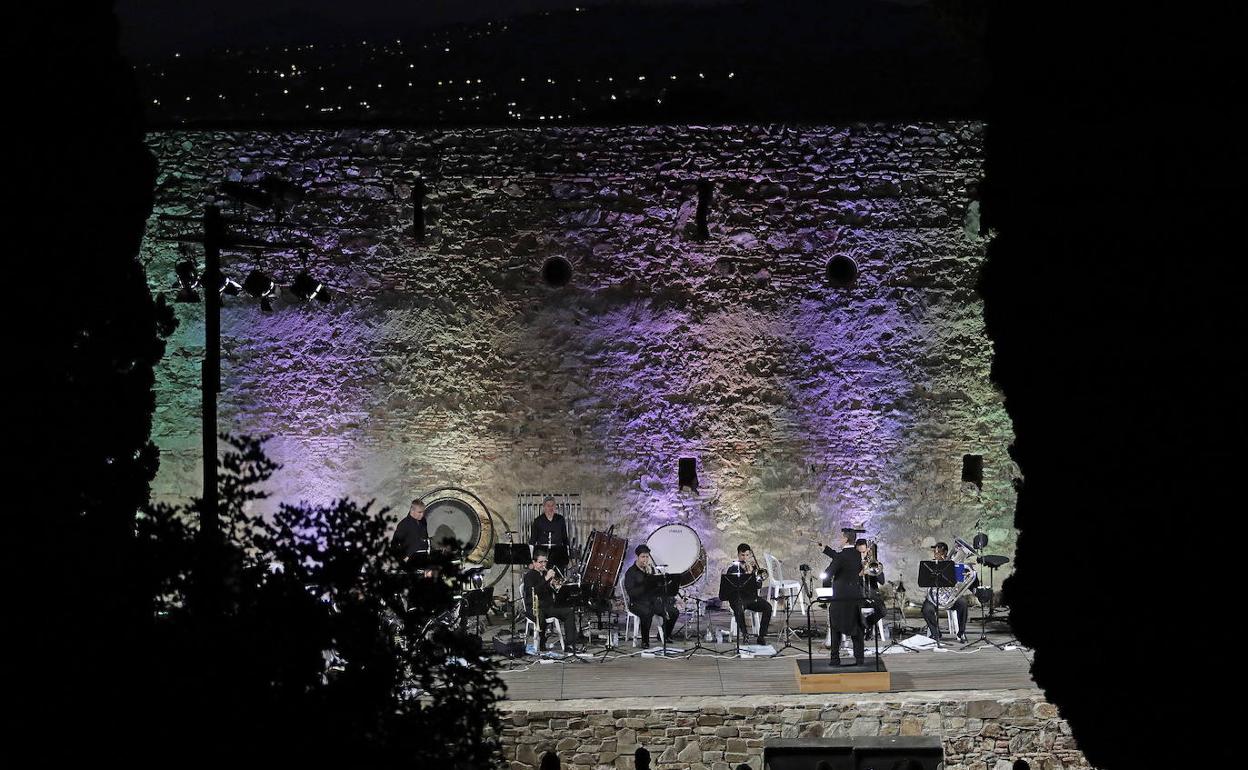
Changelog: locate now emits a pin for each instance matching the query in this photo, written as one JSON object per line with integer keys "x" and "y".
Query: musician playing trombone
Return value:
{"x": 939, "y": 596}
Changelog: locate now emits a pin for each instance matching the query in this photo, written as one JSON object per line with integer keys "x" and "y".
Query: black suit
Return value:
{"x": 845, "y": 610}
{"x": 411, "y": 537}
{"x": 645, "y": 601}
{"x": 931, "y": 616}
{"x": 551, "y": 534}
{"x": 536, "y": 587}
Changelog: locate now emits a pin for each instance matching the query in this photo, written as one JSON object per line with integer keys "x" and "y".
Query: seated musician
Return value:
{"x": 745, "y": 570}
{"x": 938, "y": 596}
{"x": 645, "y": 599}
{"x": 540, "y": 600}
{"x": 870, "y": 587}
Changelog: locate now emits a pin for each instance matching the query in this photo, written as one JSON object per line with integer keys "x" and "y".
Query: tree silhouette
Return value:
{"x": 310, "y": 659}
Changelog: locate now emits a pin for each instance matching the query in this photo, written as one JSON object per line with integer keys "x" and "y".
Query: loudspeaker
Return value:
{"x": 687, "y": 473}
{"x": 973, "y": 469}
{"x": 911, "y": 752}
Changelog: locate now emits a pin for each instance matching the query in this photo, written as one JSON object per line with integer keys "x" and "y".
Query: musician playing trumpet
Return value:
{"x": 937, "y": 596}
{"x": 541, "y": 583}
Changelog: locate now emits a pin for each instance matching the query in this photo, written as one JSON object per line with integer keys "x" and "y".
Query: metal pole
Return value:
{"x": 209, "y": 522}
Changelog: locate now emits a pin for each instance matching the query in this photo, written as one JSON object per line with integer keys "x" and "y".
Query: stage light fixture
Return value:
{"x": 306, "y": 287}
{"x": 259, "y": 285}
{"x": 227, "y": 285}
{"x": 187, "y": 282}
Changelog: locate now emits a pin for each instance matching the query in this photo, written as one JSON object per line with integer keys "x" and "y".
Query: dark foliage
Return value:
{"x": 1114, "y": 186}
{"x": 310, "y": 662}
{"x": 115, "y": 667}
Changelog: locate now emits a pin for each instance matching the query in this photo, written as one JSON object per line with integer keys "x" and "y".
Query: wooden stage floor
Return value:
{"x": 979, "y": 668}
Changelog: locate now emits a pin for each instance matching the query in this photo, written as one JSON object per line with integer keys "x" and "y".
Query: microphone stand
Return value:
{"x": 697, "y": 621}
{"x": 788, "y": 632}
{"x": 663, "y": 597}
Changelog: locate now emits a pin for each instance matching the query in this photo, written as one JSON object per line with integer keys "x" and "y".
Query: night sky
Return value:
{"x": 158, "y": 27}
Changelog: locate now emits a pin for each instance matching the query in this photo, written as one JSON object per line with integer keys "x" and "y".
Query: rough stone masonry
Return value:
{"x": 805, "y": 403}
{"x": 983, "y": 730}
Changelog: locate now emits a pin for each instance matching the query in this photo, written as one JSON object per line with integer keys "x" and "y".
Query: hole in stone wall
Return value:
{"x": 973, "y": 469}
{"x": 418, "y": 208}
{"x": 557, "y": 271}
{"x": 687, "y": 473}
{"x": 842, "y": 271}
{"x": 705, "y": 190}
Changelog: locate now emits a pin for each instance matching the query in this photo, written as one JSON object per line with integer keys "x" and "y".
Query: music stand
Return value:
{"x": 730, "y": 588}
{"x": 477, "y": 603}
{"x": 666, "y": 588}
{"x": 512, "y": 554}
{"x": 556, "y": 555}
{"x": 937, "y": 574}
{"x": 992, "y": 563}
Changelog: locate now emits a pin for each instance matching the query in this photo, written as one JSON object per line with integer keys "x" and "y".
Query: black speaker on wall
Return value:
{"x": 911, "y": 752}
{"x": 973, "y": 469}
{"x": 687, "y": 473}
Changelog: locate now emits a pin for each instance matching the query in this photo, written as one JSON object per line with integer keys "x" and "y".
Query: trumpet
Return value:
{"x": 556, "y": 578}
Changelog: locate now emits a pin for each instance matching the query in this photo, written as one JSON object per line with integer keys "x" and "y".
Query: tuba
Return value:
{"x": 963, "y": 554}
{"x": 871, "y": 566}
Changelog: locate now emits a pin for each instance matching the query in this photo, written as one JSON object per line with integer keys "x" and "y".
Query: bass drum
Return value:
{"x": 602, "y": 565}
{"x": 679, "y": 548}
{"x": 454, "y": 513}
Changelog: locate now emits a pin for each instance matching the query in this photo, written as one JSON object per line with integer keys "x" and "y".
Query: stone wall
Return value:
{"x": 984, "y": 730}
{"x": 451, "y": 362}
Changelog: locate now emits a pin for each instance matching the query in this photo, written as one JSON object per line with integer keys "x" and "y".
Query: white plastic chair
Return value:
{"x": 531, "y": 627}
{"x": 632, "y": 626}
{"x": 779, "y": 588}
{"x": 751, "y": 619}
